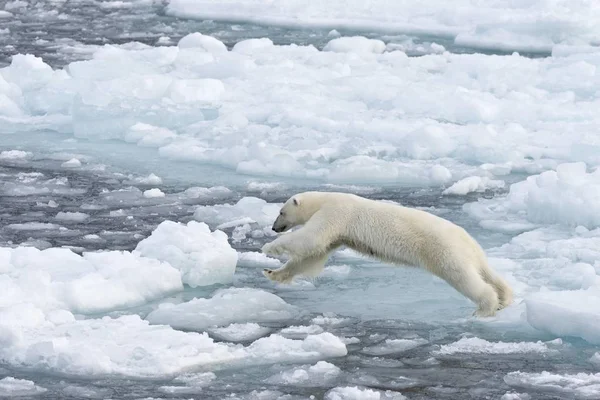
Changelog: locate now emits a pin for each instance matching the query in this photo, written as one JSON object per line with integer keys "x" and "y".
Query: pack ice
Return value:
{"x": 52, "y": 302}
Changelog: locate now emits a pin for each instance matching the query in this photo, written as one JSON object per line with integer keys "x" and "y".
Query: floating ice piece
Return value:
{"x": 256, "y": 259}
{"x": 15, "y": 155}
{"x": 581, "y": 385}
{"x": 250, "y": 46}
{"x": 151, "y": 179}
{"x": 295, "y": 332}
{"x": 566, "y": 313}
{"x": 394, "y": 346}
{"x": 226, "y": 306}
{"x": 148, "y": 135}
{"x": 129, "y": 347}
{"x": 567, "y": 196}
{"x": 193, "y": 383}
{"x": 476, "y": 345}
{"x": 95, "y": 282}
{"x": 358, "y": 393}
{"x": 12, "y": 387}
{"x": 258, "y": 210}
{"x": 240, "y": 332}
{"x": 197, "y": 40}
{"x": 153, "y": 193}
{"x": 71, "y": 216}
{"x": 72, "y": 163}
{"x": 473, "y": 25}
{"x": 320, "y": 374}
{"x": 515, "y": 396}
{"x": 33, "y": 226}
{"x": 473, "y": 184}
{"x": 355, "y": 44}
{"x": 203, "y": 257}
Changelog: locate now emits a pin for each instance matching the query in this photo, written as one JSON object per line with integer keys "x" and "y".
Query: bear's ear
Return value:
{"x": 296, "y": 202}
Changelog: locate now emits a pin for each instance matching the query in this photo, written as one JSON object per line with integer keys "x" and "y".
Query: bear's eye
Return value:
{"x": 281, "y": 213}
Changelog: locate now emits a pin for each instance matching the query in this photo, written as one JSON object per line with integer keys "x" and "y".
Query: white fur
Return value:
{"x": 389, "y": 232}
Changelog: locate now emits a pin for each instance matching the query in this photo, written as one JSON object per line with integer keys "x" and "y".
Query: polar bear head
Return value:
{"x": 289, "y": 216}
{"x": 297, "y": 210}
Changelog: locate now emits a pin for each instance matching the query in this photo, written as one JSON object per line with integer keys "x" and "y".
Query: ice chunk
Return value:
{"x": 12, "y": 387}
{"x": 72, "y": 163}
{"x": 258, "y": 210}
{"x": 197, "y": 91}
{"x": 15, "y": 155}
{"x": 476, "y": 345}
{"x": 320, "y": 374}
{"x": 129, "y": 347}
{"x": 207, "y": 43}
{"x": 151, "y": 179}
{"x": 240, "y": 332}
{"x": 295, "y": 332}
{"x": 256, "y": 259}
{"x": 567, "y": 196}
{"x": 394, "y": 346}
{"x": 581, "y": 385}
{"x": 515, "y": 396}
{"x": 72, "y": 216}
{"x": 595, "y": 359}
{"x": 203, "y": 257}
{"x": 566, "y": 313}
{"x": 250, "y": 46}
{"x": 358, "y": 393}
{"x": 149, "y": 135}
{"x": 193, "y": 383}
{"x": 506, "y": 26}
{"x": 33, "y": 226}
{"x": 153, "y": 193}
{"x": 60, "y": 279}
{"x": 473, "y": 184}
{"x": 355, "y": 44}
{"x": 226, "y": 306}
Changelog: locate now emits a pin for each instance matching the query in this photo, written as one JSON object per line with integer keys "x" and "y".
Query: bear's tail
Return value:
{"x": 504, "y": 291}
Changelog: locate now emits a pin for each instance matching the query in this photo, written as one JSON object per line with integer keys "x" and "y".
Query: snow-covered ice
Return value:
{"x": 341, "y": 117}
{"x": 120, "y": 150}
{"x": 579, "y": 386}
{"x": 518, "y": 25}
{"x": 476, "y": 345}
{"x": 12, "y": 387}
{"x": 203, "y": 257}
{"x": 394, "y": 346}
{"x": 226, "y": 306}
{"x": 319, "y": 374}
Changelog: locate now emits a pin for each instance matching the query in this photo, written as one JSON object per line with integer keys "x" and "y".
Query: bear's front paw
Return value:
{"x": 277, "y": 275}
{"x": 272, "y": 249}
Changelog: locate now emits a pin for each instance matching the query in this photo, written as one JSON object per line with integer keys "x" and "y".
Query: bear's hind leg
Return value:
{"x": 472, "y": 285}
{"x": 308, "y": 266}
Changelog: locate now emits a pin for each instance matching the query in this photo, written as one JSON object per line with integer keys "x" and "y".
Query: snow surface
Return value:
{"x": 324, "y": 115}
{"x": 534, "y": 25}
{"x": 12, "y": 387}
{"x": 581, "y": 385}
{"x": 203, "y": 257}
{"x": 265, "y": 120}
{"x": 358, "y": 393}
{"x": 226, "y": 306}
{"x": 476, "y": 345}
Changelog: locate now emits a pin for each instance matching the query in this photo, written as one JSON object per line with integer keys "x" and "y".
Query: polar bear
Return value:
{"x": 389, "y": 232}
